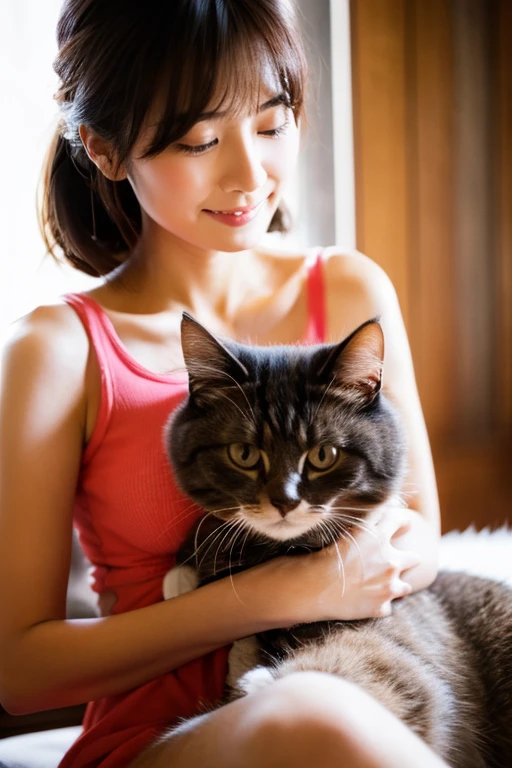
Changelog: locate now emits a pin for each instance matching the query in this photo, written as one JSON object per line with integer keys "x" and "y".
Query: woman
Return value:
{"x": 181, "y": 125}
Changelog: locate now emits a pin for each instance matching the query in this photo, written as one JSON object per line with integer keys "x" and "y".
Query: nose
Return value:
{"x": 243, "y": 169}
{"x": 284, "y": 505}
{"x": 283, "y": 491}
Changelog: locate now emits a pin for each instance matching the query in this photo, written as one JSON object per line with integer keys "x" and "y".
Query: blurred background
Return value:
{"x": 432, "y": 116}
{"x": 408, "y": 157}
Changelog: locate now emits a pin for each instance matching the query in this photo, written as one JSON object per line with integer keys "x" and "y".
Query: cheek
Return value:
{"x": 286, "y": 156}
{"x": 282, "y": 161}
{"x": 163, "y": 186}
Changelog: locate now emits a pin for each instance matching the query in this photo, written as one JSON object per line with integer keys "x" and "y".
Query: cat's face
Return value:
{"x": 286, "y": 439}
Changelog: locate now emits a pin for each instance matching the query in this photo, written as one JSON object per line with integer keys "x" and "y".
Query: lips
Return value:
{"x": 236, "y": 211}
{"x": 230, "y": 213}
{"x": 235, "y": 217}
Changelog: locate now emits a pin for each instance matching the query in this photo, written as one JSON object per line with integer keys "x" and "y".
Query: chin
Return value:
{"x": 282, "y": 529}
{"x": 241, "y": 241}
{"x": 284, "y": 532}
{"x": 234, "y": 240}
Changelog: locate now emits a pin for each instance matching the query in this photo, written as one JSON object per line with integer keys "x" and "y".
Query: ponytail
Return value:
{"x": 84, "y": 217}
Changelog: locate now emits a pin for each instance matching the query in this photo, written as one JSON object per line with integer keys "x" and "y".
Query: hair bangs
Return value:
{"x": 234, "y": 52}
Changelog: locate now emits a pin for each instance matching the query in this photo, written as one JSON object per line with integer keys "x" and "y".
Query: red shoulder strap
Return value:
{"x": 315, "y": 329}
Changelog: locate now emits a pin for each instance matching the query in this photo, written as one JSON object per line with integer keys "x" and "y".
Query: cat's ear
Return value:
{"x": 355, "y": 366}
{"x": 210, "y": 364}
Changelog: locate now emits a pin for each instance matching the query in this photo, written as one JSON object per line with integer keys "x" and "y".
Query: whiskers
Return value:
{"x": 189, "y": 511}
{"x": 330, "y": 531}
{"x": 337, "y": 523}
{"x": 403, "y": 496}
{"x": 216, "y": 373}
{"x": 340, "y": 514}
{"x": 326, "y": 390}
{"x": 221, "y": 393}
{"x": 223, "y": 539}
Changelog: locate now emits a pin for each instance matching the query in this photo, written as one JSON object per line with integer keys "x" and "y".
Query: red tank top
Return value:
{"x": 131, "y": 518}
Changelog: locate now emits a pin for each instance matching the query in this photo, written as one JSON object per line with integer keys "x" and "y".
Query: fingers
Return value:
{"x": 393, "y": 591}
{"x": 393, "y": 587}
{"x": 384, "y": 610}
{"x": 400, "y": 588}
{"x": 395, "y": 523}
{"x": 399, "y": 561}
{"x": 396, "y": 588}
{"x": 408, "y": 560}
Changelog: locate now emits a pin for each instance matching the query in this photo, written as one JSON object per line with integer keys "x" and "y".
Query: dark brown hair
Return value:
{"x": 115, "y": 58}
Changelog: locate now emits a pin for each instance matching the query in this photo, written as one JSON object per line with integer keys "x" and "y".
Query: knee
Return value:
{"x": 310, "y": 698}
{"x": 304, "y": 719}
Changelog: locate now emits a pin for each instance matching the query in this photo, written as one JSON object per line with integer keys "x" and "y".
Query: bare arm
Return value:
{"x": 357, "y": 290}
{"x": 47, "y": 661}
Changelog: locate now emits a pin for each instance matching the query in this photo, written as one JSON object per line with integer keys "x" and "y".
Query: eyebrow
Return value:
{"x": 275, "y": 101}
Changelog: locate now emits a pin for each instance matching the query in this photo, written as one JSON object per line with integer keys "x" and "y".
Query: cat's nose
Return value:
{"x": 284, "y": 506}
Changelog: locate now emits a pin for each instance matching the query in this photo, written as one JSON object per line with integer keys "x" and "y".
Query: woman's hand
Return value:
{"x": 374, "y": 566}
{"x": 356, "y": 578}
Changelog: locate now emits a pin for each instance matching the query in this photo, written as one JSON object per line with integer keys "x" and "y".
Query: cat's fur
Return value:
{"x": 443, "y": 661}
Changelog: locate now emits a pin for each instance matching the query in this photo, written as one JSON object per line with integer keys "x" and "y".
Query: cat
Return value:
{"x": 289, "y": 448}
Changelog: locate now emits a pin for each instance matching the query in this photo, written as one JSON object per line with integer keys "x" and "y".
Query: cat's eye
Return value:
{"x": 244, "y": 455}
{"x": 323, "y": 457}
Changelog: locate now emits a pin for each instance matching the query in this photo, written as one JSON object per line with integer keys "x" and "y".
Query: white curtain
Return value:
{"x": 27, "y": 120}
{"x": 343, "y": 143}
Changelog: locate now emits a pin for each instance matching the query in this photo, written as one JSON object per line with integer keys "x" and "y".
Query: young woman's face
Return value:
{"x": 219, "y": 186}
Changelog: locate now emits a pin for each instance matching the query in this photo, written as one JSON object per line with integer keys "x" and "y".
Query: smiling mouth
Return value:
{"x": 236, "y": 217}
{"x": 231, "y": 213}
{"x": 244, "y": 209}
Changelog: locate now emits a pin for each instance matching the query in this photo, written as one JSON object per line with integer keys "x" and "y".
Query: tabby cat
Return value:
{"x": 287, "y": 449}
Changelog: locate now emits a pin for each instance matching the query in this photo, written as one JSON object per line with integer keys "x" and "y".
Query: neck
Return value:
{"x": 166, "y": 273}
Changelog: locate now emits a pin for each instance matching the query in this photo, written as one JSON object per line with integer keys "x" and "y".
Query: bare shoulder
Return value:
{"x": 54, "y": 327}
{"x": 49, "y": 344}
{"x": 357, "y": 289}
{"x": 354, "y": 265}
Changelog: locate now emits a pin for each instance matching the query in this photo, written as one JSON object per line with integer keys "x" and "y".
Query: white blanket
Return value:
{"x": 483, "y": 553}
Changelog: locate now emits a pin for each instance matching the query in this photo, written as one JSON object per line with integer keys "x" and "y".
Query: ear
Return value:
{"x": 210, "y": 364}
{"x": 100, "y": 153}
{"x": 356, "y": 364}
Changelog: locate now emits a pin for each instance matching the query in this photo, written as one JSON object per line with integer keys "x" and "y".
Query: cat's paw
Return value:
{"x": 255, "y": 680}
{"x": 179, "y": 580}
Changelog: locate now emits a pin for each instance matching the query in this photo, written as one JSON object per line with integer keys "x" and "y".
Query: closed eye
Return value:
{"x": 275, "y": 132}
{"x": 198, "y": 149}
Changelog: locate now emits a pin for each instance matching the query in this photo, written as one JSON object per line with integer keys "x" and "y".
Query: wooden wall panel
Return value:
{"x": 378, "y": 45}
{"x": 474, "y": 484}
{"x": 474, "y": 253}
{"x": 431, "y": 182}
{"x": 432, "y": 134}
{"x": 502, "y": 18}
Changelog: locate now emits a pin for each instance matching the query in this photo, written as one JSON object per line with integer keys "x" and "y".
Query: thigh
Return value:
{"x": 232, "y": 736}
{"x": 283, "y": 723}
{"x": 307, "y": 718}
